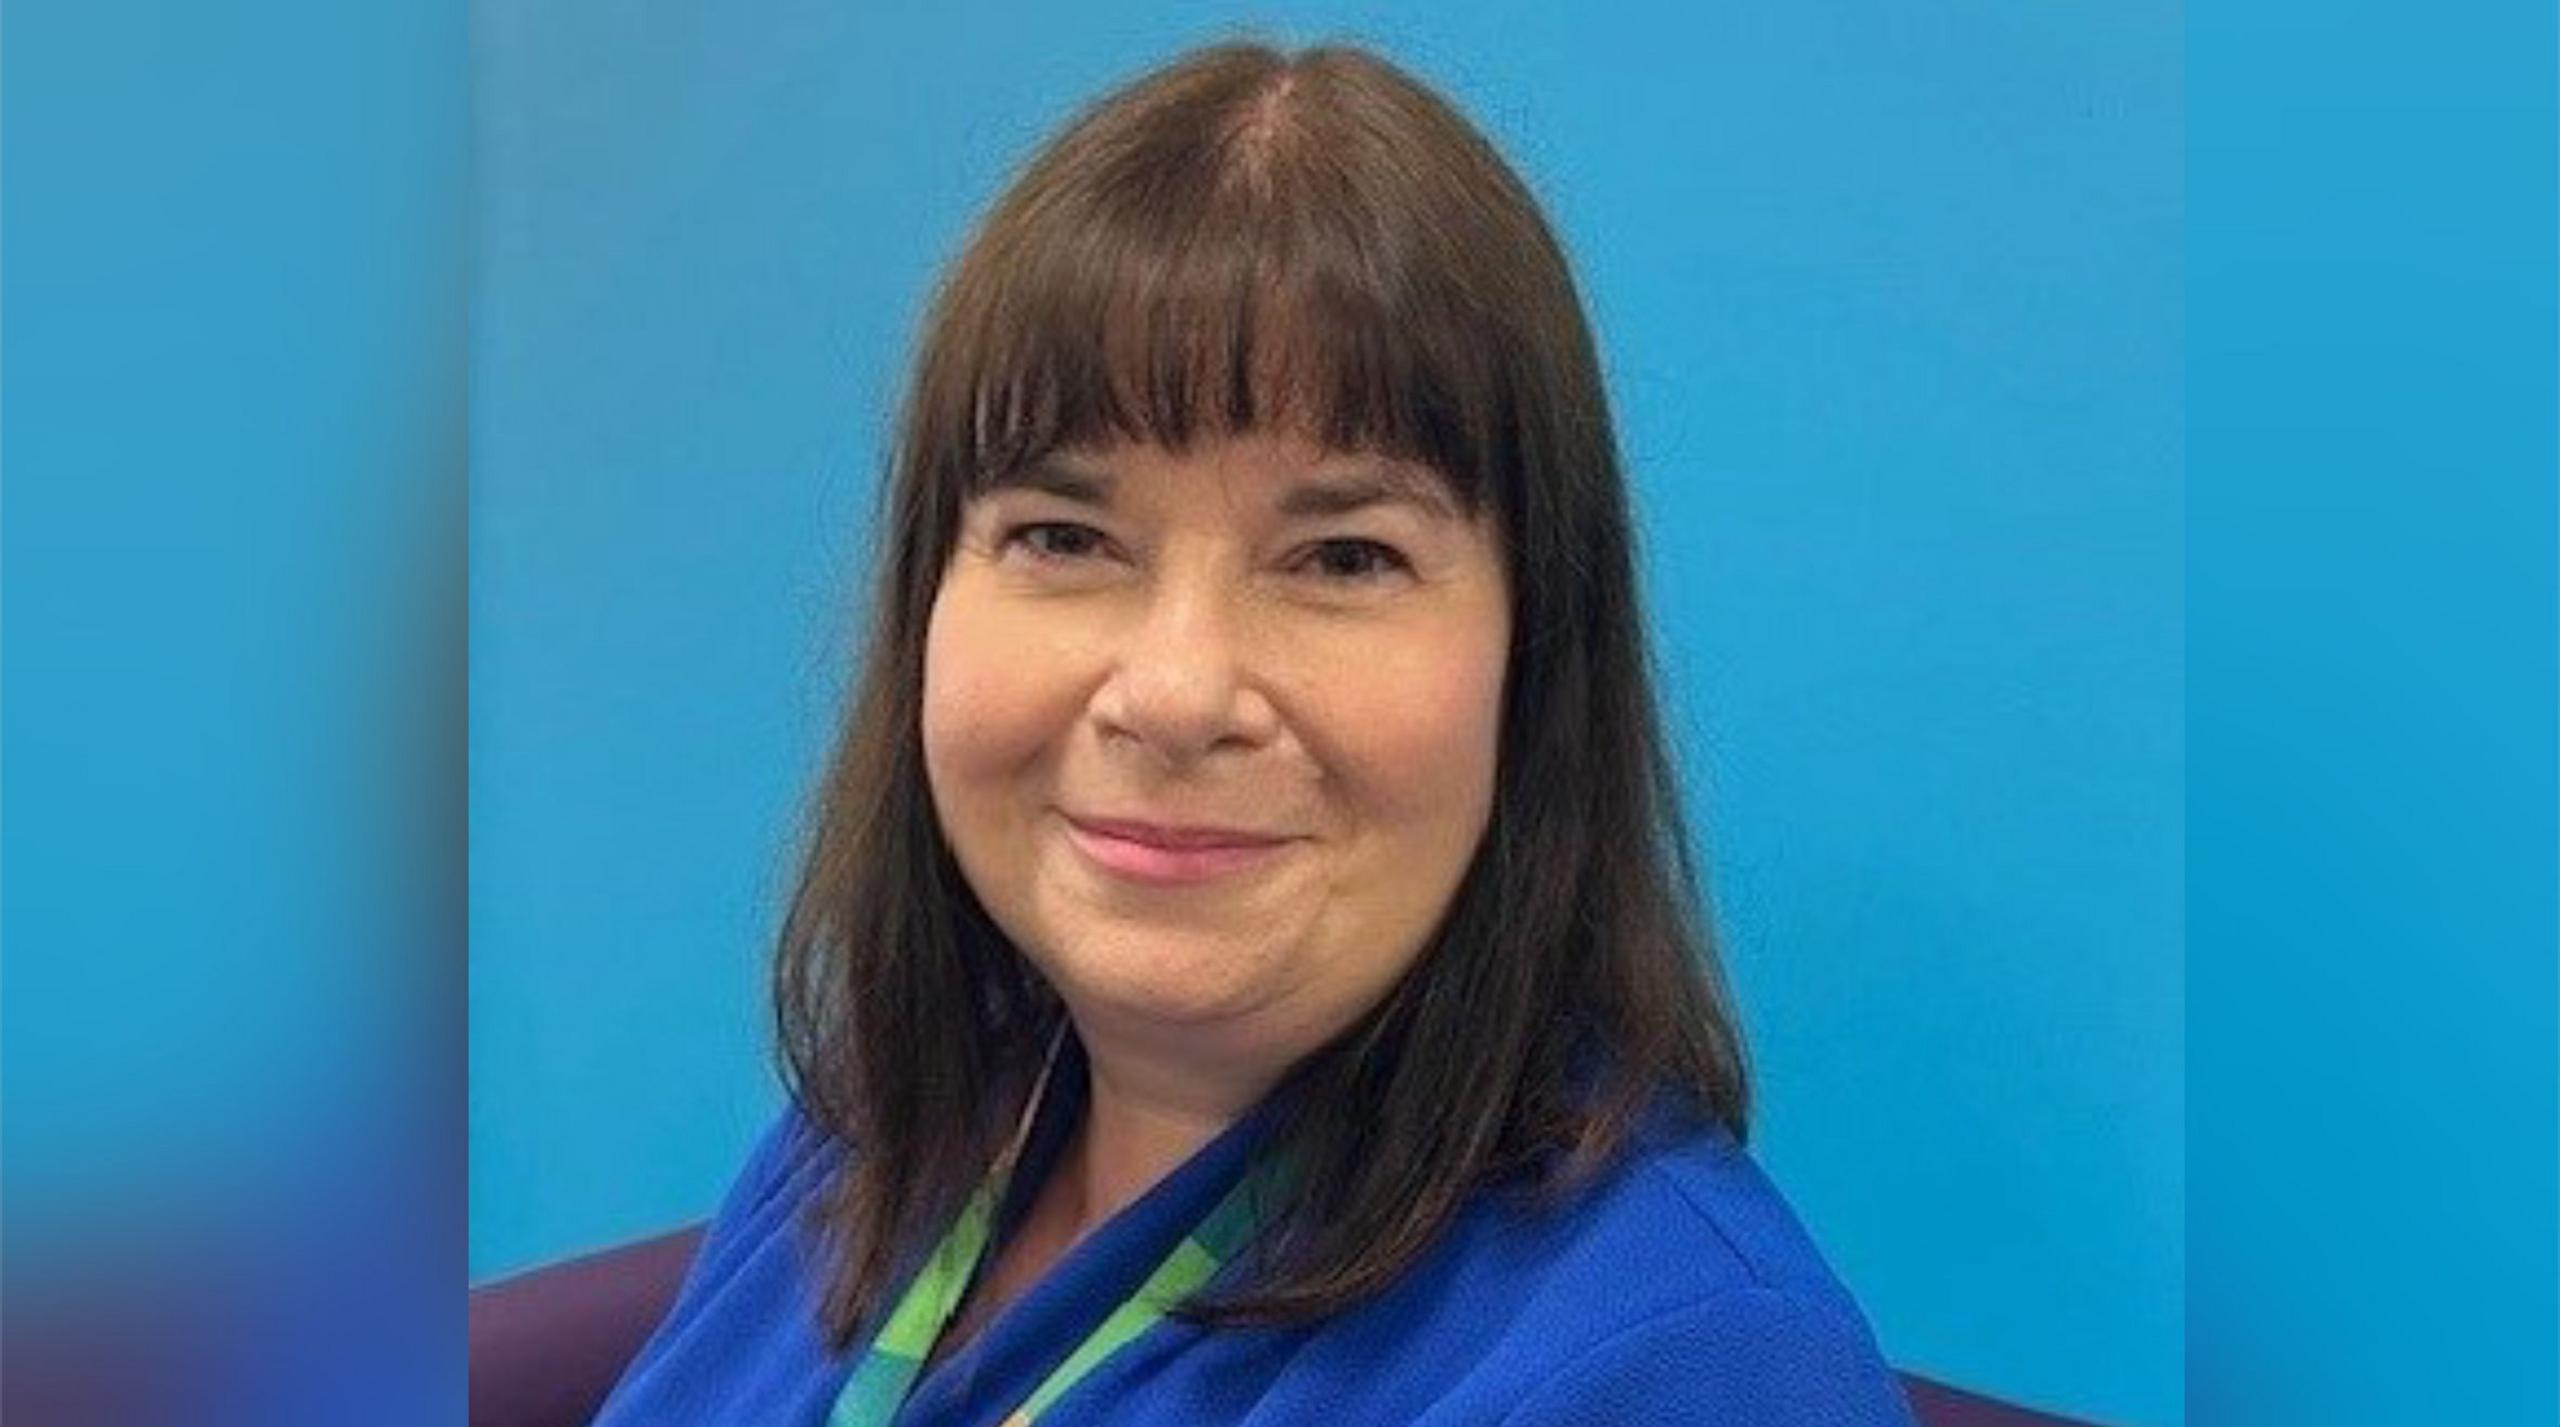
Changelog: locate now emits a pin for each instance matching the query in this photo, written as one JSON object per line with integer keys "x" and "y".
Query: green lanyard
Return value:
{"x": 880, "y": 1382}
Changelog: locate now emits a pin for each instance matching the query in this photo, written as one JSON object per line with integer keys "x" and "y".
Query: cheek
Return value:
{"x": 1425, "y": 737}
{"x": 987, "y": 711}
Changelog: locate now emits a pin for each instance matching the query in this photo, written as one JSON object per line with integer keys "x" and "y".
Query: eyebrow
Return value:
{"x": 1341, "y": 494}
{"x": 1056, "y": 478}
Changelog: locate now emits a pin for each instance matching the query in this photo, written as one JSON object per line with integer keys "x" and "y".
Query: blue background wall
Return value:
{"x": 1892, "y": 305}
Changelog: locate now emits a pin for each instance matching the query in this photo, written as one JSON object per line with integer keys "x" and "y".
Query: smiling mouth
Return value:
{"x": 1156, "y": 864}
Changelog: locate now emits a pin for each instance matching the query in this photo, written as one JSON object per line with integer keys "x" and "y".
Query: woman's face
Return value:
{"x": 1213, "y": 735}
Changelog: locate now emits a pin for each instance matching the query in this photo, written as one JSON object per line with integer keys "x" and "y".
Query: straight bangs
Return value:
{"x": 1159, "y": 294}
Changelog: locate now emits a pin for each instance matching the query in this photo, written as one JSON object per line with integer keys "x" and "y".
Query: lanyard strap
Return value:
{"x": 888, "y": 1369}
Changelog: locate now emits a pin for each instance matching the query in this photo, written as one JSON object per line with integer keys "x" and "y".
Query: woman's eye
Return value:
{"x": 1054, "y": 539}
{"x": 1355, "y": 560}
{"x": 1344, "y": 560}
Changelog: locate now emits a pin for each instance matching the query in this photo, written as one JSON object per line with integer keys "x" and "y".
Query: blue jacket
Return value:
{"x": 1677, "y": 1288}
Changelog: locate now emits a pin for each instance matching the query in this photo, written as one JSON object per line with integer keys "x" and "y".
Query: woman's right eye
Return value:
{"x": 1053, "y": 540}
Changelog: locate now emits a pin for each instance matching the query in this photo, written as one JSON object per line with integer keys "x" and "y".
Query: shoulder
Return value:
{"x": 1692, "y": 1182}
{"x": 790, "y": 1163}
{"x": 1674, "y": 1286}
{"x": 743, "y": 1334}
{"x": 1685, "y": 1200}
{"x": 1680, "y": 1286}
{"x": 1743, "y": 1357}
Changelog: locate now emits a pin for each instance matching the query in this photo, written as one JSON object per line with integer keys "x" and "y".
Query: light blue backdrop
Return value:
{"x": 1892, "y": 305}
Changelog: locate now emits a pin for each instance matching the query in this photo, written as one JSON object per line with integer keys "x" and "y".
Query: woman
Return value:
{"x": 1247, "y": 968}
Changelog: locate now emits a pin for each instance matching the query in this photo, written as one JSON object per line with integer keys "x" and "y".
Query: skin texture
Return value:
{"x": 1173, "y": 647}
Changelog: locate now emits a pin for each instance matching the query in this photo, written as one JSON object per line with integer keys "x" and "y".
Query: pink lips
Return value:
{"x": 1143, "y": 852}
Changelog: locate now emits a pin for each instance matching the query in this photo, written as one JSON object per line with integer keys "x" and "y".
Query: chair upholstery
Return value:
{"x": 547, "y": 1345}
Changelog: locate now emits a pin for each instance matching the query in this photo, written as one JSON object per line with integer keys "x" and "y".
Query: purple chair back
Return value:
{"x": 546, "y": 1346}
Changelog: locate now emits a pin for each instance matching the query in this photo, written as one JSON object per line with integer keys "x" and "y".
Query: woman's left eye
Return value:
{"x": 1355, "y": 560}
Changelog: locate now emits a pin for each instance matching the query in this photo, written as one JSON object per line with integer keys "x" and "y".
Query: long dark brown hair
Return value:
{"x": 1240, "y": 240}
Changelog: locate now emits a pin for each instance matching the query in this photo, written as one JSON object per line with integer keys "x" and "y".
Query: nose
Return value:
{"x": 1182, "y": 684}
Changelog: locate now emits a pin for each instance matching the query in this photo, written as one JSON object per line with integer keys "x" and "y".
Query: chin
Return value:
{"x": 1171, "y": 981}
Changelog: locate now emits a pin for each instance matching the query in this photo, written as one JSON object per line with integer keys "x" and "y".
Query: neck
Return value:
{"x": 1145, "y": 1115}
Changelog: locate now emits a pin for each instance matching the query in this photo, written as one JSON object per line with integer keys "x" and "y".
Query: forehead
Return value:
{"x": 1294, "y": 478}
